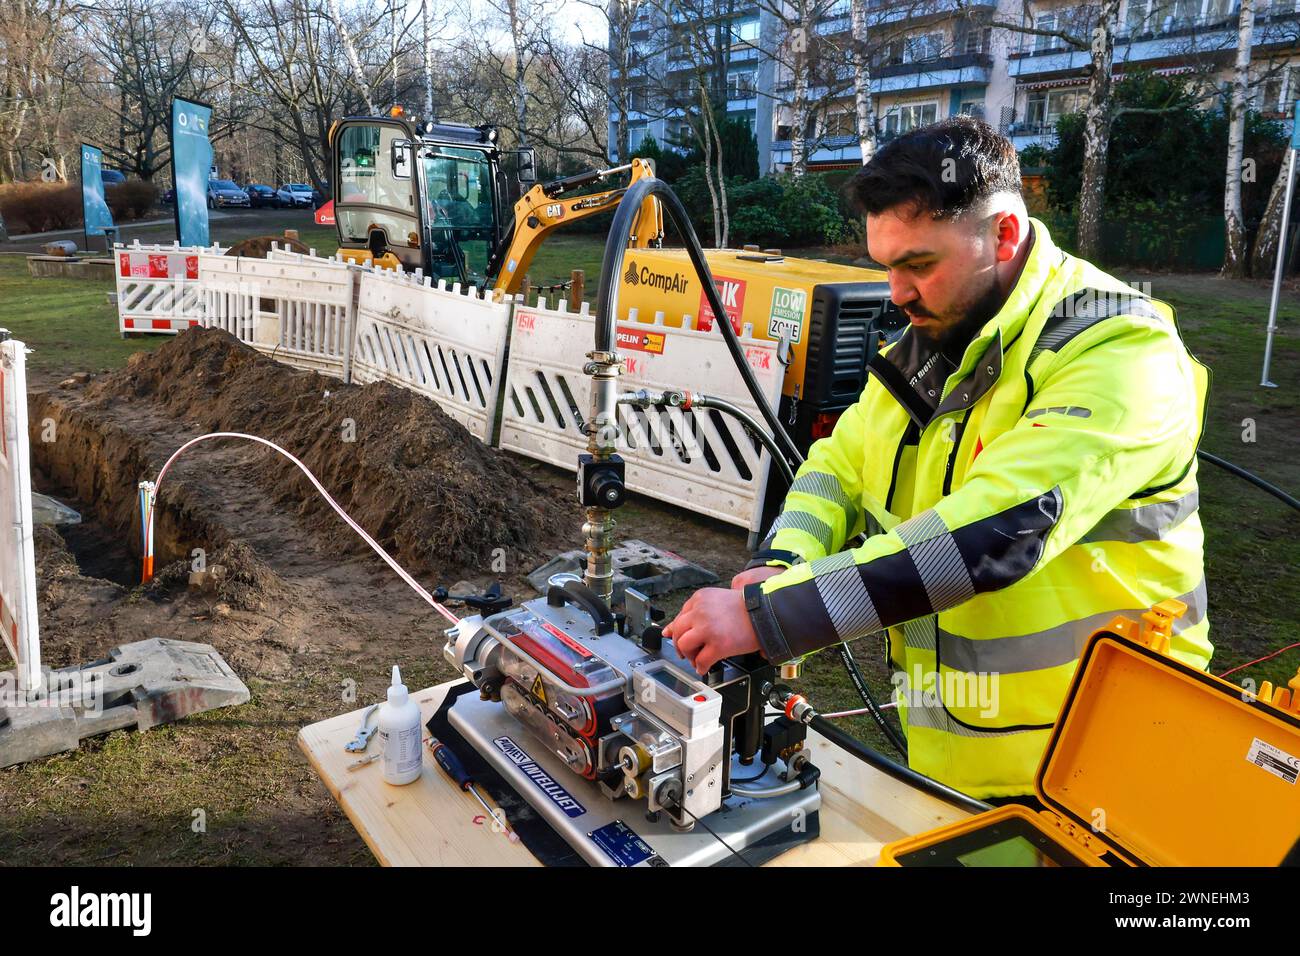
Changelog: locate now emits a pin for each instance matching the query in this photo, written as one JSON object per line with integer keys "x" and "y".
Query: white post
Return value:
{"x": 1281, "y": 248}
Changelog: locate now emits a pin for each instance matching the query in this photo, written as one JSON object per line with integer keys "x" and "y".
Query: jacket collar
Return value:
{"x": 899, "y": 367}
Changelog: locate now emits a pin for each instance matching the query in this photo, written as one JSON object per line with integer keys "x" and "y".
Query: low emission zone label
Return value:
{"x": 786, "y": 317}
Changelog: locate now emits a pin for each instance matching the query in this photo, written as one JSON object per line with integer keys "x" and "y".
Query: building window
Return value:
{"x": 1135, "y": 18}
{"x": 901, "y": 119}
{"x": 746, "y": 30}
{"x": 842, "y": 123}
{"x": 1045, "y": 21}
{"x": 740, "y": 84}
{"x": 977, "y": 41}
{"x": 973, "y": 108}
{"x": 636, "y": 136}
{"x": 928, "y": 46}
{"x": 1043, "y": 109}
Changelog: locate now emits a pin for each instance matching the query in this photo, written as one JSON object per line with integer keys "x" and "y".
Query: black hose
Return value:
{"x": 860, "y": 684}
{"x": 1255, "y": 480}
{"x": 778, "y": 459}
{"x": 611, "y": 275}
{"x": 896, "y": 770}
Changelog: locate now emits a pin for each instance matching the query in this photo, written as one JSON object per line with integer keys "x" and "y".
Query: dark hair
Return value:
{"x": 912, "y": 169}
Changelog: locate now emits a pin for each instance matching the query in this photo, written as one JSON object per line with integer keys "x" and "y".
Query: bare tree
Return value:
{"x": 699, "y": 34}
{"x": 350, "y": 48}
{"x": 864, "y": 106}
{"x": 292, "y": 60}
{"x": 1235, "y": 262}
{"x": 568, "y": 96}
{"x": 808, "y": 56}
{"x": 620, "y": 19}
{"x": 39, "y": 61}
{"x": 1092, "y": 30}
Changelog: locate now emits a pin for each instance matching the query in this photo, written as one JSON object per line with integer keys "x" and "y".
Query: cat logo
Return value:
{"x": 539, "y": 689}
{"x": 555, "y": 211}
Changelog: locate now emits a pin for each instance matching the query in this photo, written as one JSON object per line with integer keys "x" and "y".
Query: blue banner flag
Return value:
{"x": 94, "y": 207}
{"x": 191, "y": 166}
{"x": 1295, "y": 124}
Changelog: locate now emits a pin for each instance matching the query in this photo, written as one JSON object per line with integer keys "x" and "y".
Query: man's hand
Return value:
{"x": 753, "y": 576}
{"x": 713, "y": 624}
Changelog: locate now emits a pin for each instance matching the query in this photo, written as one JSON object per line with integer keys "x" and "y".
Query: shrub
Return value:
{"x": 40, "y": 206}
{"x": 131, "y": 200}
{"x": 788, "y": 211}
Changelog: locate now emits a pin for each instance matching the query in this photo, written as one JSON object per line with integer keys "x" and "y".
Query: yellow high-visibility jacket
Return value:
{"x": 1050, "y": 486}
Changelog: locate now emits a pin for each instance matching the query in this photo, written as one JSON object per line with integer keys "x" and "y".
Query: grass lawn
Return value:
{"x": 1252, "y": 540}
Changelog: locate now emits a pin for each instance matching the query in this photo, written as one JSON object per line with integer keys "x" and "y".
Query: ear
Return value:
{"x": 1010, "y": 230}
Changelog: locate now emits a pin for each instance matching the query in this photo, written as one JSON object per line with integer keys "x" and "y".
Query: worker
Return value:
{"x": 1021, "y": 464}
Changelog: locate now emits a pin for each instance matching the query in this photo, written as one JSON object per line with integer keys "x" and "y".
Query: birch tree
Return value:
{"x": 1097, "y": 37}
{"x": 863, "y": 103}
{"x": 358, "y": 74}
{"x": 1098, "y": 119}
{"x": 1235, "y": 262}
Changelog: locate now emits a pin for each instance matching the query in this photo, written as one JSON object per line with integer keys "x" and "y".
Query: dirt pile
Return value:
{"x": 232, "y": 575}
{"x": 425, "y": 488}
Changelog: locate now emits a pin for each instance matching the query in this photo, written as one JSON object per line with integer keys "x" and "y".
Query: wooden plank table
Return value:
{"x": 431, "y": 823}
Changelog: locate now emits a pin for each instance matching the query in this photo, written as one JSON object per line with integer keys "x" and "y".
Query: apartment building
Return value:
{"x": 936, "y": 58}
{"x": 665, "y": 53}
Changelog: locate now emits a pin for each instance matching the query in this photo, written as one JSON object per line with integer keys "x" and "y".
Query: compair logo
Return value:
{"x": 663, "y": 281}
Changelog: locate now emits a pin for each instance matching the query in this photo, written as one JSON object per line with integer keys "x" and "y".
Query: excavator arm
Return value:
{"x": 540, "y": 210}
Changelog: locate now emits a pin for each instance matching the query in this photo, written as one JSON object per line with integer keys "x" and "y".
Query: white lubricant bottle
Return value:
{"x": 399, "y": 727}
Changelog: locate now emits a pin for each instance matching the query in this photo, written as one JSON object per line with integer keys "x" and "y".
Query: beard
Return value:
{"x": 953, "y": 336}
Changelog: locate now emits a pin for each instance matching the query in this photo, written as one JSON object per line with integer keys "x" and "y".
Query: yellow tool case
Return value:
{"x": 1151, "y": 761}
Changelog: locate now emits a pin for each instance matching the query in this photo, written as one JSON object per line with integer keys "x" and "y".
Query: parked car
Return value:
{"x": 260, "y": 195}
{"x": 112, "y": 176}
{"x": 169, "y": 197}
{"x": 223, "y": 193}
{"x": 295, "y": 195}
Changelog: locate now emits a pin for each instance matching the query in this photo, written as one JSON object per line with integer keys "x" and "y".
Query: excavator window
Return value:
{"x": 369, "y": 195}
{"x": 460, "y": 211}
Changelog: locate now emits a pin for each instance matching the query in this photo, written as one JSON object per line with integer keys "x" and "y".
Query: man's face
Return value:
{"x": 942, "y": 274}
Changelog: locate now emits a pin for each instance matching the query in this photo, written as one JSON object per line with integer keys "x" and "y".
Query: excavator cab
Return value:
{"x": 441, "y": 197}
{"x": 429, "y": 196}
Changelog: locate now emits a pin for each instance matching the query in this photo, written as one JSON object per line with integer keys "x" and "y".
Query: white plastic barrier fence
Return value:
{"x": 367, "y": 325}
{"x": 699, "y": 459}
{"x": 226, "y": 302}
{"x": 434, "y": 340}
{"x": 296, "y": 307}
{"x": 157, "y": 288}
{"x": 18, "y": 620}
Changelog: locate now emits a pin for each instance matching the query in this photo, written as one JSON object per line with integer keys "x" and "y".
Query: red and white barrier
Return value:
{"x": 158, "y": 288}
{"x": 18, "y": 617}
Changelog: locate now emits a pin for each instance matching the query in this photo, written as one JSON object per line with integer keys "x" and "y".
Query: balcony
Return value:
{"x": 1031, "y": 134}
{"x": 963, "y": 69}
{"x": 1142, "y": 43}
{"x": 818, "y": 150}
